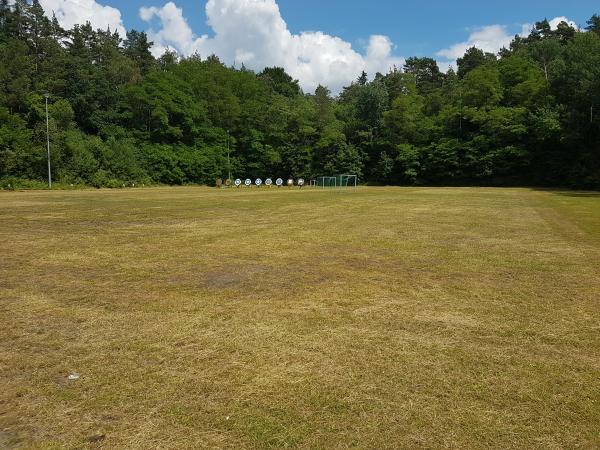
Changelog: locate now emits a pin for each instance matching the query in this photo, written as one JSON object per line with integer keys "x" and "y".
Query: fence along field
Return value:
{"x": 254, "y": 318}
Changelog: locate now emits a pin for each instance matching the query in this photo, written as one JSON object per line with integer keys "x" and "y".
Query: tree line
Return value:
{"x": 529, "y": 115}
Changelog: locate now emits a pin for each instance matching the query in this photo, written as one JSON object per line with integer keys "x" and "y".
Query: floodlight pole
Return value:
{"x": 228, "y": 160}
{"x": 48, "y": 142}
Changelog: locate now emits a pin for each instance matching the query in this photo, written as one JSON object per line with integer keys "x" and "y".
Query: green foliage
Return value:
{"x": 280, "y": 81}
{"x": 427, "y": 74}
{"x": 524, "y": 82}
{"x": 472, "y": 59}
{"x": 593, "y": 24}
{"x": 17, "y": 157}
{"x": 482, "y": 87}
{"x": 118, "y": 116}
{"x": 409, "y": 164}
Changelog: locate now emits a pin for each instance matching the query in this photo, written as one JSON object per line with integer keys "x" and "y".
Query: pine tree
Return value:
{"x": 593, "y": 24}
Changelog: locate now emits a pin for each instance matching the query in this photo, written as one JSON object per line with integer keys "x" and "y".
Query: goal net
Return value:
{"x": 337, "y": 181}
{"x": 348, "y": 181}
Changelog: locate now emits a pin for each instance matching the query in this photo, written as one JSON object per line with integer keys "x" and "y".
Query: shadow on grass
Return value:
{"x": 579, "y": 194}
{"x": 567, "y": 193}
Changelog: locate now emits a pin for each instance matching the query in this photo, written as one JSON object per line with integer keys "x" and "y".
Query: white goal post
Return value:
{"x": 348, "y": 181}
{"x": 338, "y": 181}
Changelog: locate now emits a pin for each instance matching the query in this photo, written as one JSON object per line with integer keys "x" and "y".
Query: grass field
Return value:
{"x": 381, "y": 318}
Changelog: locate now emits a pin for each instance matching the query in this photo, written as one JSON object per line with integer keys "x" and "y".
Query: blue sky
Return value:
{"x": 416, "y": 28}
{"x": 323, "y": 41}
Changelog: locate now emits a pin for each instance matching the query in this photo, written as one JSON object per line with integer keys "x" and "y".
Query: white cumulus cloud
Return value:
{"x": 557, "y": 20}
{"x": 491, "y": 38}
{"x": 72, "y": 12}
{"x": 175, "y": 31}
{"x": 254, "y": 33}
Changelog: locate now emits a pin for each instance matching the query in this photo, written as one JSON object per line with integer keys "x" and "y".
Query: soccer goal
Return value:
{"x": 347, "y": 181}
{"x": 327, "y": 182}
{"x": 338, "y": 181}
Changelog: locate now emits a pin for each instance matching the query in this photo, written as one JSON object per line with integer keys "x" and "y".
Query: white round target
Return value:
{"x": 291, "y": 182}
{"x": 258, "y": 182}
{"x": 248, "y": 182}
{"x": 238, "y": 182}
{"x": 301, "y": 182}
{"x": 279, "y": 182}
{"x": 269, "y": 182}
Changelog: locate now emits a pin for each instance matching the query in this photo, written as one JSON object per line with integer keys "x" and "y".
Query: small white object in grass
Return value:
{"x": 227, "y": 418}
{"x": 73, "y": 377}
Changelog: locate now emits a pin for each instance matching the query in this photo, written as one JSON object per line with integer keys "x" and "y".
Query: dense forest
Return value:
{"x": 529, "y": 115}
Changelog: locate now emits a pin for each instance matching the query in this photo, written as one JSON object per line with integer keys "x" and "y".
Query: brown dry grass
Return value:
{"x": 383, "y": 318}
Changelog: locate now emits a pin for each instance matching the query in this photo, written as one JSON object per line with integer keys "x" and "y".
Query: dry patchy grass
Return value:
{"x": 381, "y": 318}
